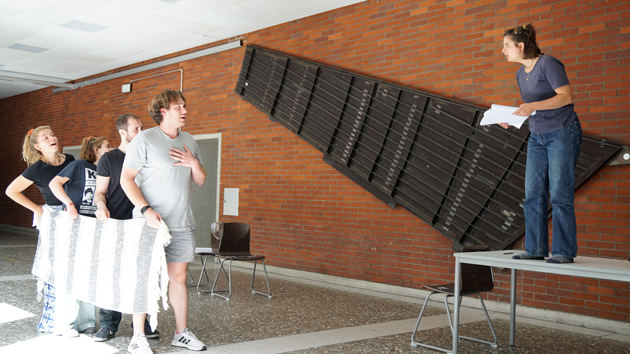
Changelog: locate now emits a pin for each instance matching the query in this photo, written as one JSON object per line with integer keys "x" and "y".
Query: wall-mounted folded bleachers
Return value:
{"x": 408, "y": 147}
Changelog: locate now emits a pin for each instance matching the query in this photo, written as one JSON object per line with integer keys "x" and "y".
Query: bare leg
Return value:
{"x": 178, "y": 293}
{"x": 138, "y": 323}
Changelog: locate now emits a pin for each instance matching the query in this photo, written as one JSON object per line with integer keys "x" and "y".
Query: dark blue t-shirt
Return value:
{"x": 540, "y": 84}
{"x": 110, "y": 165}
{"x": 81, "y": 186}
{"x": 42, "y": 173}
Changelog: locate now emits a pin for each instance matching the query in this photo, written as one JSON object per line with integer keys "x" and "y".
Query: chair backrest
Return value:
{"x": 476, "y": 278}
{"x": 216, "y": 229}
{"x": 235, "y": 240}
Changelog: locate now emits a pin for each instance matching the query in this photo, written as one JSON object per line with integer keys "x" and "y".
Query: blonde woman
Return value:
{"x": 75, "y": 186}
{"x": 41, "y": 153}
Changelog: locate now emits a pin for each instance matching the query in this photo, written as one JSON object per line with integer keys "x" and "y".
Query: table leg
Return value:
{"x": 512, "y": 307}
{"x": 457, "y": 303}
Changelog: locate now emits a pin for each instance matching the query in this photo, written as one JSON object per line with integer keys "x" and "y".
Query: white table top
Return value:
{"x": 587, "y": 267}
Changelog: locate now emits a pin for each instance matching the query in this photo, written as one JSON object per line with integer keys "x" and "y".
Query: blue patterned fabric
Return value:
{"x": 48, "y": 313}
{"x": 46, "y": 323}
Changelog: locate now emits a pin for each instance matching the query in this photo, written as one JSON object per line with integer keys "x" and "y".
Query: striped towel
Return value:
{"x": 115, "y": 264}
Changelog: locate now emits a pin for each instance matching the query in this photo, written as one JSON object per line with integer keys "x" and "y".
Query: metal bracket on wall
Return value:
{"x": 408, "y": 147}
{"x": 622, "y": 157}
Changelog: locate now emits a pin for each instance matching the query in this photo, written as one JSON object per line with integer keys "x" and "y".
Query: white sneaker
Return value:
{"x": 69, "y": 333}
{"x": 139, "y": 345}
{"x": 188, "y": 340}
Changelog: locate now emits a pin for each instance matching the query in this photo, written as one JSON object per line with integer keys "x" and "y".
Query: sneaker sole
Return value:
{"x": 152, "y": 336}
{"x": 98, "y": 339}
{"x": 181, "y": 345}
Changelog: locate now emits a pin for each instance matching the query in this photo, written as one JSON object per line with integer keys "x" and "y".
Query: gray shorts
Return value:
{"x": 182, "y": 247}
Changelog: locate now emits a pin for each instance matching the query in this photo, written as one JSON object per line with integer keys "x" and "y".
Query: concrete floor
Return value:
{"x": 303, "y": 316}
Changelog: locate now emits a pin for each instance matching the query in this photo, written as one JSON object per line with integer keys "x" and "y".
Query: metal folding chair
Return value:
{"x": 235, "y": 247}
{"x": 475, "y": 280}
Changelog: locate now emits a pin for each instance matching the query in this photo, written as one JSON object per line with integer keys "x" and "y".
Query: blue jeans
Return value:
{"x": 550, "y": 173}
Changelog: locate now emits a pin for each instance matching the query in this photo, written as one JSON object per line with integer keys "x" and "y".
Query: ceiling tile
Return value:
{"x": 72, "y": 8}
{"x": 24, "y": 5}
{"x": 68, "y": 68}
{"x": 55, "y": 37}
{"x": 119, "y": 12}
{"x": 62, "y": 53}
{"x": 7, "y": 12}
{"x": 8, "y": 89}
{"x": 206, "y": 7}
{"x": 27, "y": 66}
{"x": 8, "y": 56}
{"x": 196, "y": 27}
{"x": 221, "y": 21}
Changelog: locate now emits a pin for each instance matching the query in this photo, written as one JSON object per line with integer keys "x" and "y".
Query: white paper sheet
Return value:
{"x": 503, "y": 114}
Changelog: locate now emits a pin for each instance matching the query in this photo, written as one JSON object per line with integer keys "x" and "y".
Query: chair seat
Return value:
{"x": 241, "y": 257}
{"x": 450, "y": 289}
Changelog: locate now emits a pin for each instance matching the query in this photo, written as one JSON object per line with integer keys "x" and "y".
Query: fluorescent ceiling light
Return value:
{"x": 27, "y": 48}
{"x": 83, "y": 26}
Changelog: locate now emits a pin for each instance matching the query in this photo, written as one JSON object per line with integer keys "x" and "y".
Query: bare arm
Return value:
{"x": 199, "y": 175}
{"x": 186, "y": 158}
{"x": 102, "y": 185}
{"x": 128, "y": 184}
{"x": 563, "y": 97}
{"x": 14, "y": 191}
{"x": 56, "y": 186}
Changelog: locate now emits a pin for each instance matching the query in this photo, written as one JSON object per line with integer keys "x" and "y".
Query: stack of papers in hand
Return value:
{"x": 503, "y": 114}
{"x": 203, "y": 250}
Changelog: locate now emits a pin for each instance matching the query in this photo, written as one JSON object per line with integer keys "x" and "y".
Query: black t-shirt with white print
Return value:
{"x": 81, "y": 186}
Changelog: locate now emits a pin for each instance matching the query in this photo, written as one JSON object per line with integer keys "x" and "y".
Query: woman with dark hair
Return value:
{"x": 74, "y": 186}
{"x": 553, "y": 147}
{"x": 41, "y": 153}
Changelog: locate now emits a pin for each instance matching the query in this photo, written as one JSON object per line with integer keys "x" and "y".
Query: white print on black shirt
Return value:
{"x": 87, "y": 204}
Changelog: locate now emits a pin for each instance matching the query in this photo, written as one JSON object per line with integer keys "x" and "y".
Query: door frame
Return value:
{"x": 219, "y": 138}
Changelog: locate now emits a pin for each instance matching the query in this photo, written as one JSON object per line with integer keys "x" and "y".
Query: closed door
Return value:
{"x": 205, "y": 198}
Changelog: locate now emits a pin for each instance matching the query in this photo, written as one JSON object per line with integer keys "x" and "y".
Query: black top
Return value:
{"x": 81, "y": 186}
{"x": 110, "y": 165}
{"x": 41, "y": 173}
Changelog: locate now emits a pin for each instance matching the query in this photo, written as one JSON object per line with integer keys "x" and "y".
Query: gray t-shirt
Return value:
{"x": 546, "y": 76}
{"x": 166, "y": 187}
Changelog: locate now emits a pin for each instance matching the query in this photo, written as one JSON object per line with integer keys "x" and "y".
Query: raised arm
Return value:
{"x": 56, "y": 187}
{"x": 128, "y": 184}
{"x": 14, "y": 191}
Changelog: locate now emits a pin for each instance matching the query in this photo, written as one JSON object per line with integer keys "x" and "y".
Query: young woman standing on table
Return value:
{"x": 41, "y": 152}
{"x": 553, "y": 147}
{"x": 75, "y": 186}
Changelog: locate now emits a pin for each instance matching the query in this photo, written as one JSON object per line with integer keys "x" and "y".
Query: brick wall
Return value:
{"x": 304, "y": 214}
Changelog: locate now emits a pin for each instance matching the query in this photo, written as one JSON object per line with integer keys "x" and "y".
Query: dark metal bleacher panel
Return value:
{"x": 408, "y": 147}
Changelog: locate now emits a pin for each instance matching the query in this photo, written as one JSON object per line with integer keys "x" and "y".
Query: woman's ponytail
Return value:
{"x": 525, "y": 34}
